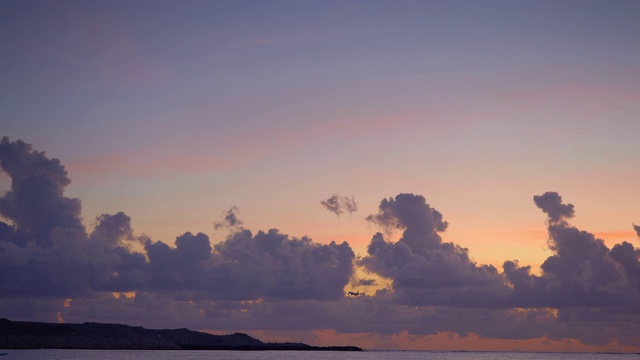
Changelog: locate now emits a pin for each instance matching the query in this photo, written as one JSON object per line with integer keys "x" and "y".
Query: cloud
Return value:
{"x": 551, "y": 204}
{"x": 231, "y": 220}
{"x": 112, "y": 229}
{"x": 267, "y": 265}
{"x": 371, "y": 314}
{"x": 268, "y": 280}
{"x": 424, "y": 269}
{"x": 184, "y": 267}
{"x": 46, "y": 251}
{"x": 637, "y": 229}
{"x": 367, "y": 282}
{"x": 273, "y": 265}
{"x": 582, "y": 271}
{"x": 35, "y": 203}
{"x": 338, "y": 204}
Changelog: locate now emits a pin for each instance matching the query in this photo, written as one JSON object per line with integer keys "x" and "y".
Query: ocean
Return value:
{"x": 311, "y": 355}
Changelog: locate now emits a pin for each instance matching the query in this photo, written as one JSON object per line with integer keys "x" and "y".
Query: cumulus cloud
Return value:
{"x": 36, "y": 204}
{"x": 424, "y": 269}
{"x": 231, "y": 220}
{"x": 268, "y": 265}
{"x": 268, "y": 280}
{"x": 551, "y": 203}
{"x": 338, "y": 204}
{"x": 112, "y": 229}
{"x": 45, "y": 250}
{"x": 582, "y": 271}
{"x": 637, "y": 229}
{"x": 273, "y": 265}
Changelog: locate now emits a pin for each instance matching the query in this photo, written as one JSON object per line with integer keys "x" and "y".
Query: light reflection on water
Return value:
{"x": 54, "y": 354}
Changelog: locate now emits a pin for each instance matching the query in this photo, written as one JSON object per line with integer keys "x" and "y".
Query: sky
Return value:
{"x": 469, "y": 167}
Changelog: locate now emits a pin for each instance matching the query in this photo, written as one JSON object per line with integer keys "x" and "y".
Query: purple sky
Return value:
{"x": 426, "y": 153}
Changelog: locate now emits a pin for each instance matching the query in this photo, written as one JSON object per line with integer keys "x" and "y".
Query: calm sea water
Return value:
{"x": 315, "y": 355}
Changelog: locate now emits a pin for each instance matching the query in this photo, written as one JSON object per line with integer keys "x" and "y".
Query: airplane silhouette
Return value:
{"x": 351, "y": 293}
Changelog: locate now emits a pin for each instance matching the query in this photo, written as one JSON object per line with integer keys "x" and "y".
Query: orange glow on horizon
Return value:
{"x": 442, "y": 341}
{"x": 446, "y": 341}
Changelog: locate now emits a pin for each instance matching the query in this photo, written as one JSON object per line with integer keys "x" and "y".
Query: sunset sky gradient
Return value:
{"x": 434, "y": 124}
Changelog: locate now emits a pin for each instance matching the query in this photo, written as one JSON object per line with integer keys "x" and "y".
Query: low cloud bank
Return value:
{"x": 51, "y": 268}
{"x": 45, "y": 250}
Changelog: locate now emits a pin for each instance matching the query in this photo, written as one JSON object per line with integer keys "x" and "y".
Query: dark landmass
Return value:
{"x": 37, "y": 335}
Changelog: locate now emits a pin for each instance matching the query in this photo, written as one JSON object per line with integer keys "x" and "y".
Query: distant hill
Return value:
{"x": 37, "y": 335}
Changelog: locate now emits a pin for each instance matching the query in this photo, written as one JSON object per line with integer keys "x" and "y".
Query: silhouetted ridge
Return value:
{"x": 36, "y": 335}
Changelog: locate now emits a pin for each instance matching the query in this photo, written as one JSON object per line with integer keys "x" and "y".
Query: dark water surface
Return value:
{"x": 313, "y": 355}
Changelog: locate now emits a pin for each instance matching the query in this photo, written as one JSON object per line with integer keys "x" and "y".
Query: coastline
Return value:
{"x": 100, "y": 336}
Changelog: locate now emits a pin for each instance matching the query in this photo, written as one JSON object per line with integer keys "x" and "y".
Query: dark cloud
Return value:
{"x": 338, "y": 204}
{"x": 273, "y": 265}
{"x": 231, "y": 220}
{"x": 424, "y": 269}
{"x": 411, "y": 213}
{"x": 367, "y": 282}
{"x": 111, "y": 230}
{"x": 637, "y": 229}
{"x": 272, "y": 281}
{"x": 73, "y": 265}
{"x": 372, "y": 314}
{"x": 582, "y": 271}
{"x": 628, "y": 257}
{"x": 268, "y": 265}
{"x": 551, "y": 204}
{"x": 36, "y": 204}
{"x": 185, "y": 267}
{"x": 45, "y": 250}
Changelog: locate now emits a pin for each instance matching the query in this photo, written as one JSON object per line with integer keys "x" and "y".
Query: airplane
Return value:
{"x": 351, "y": 293}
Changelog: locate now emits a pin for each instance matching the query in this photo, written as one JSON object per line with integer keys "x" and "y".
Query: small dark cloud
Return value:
{"x": 230, "y": 221}
{"x": 112, "y": 229}
{"x": 551, "y": 203}
{"x": 367, "y": 282}
{"x": 637, "y": 229}
{"x": 338, "y": 204}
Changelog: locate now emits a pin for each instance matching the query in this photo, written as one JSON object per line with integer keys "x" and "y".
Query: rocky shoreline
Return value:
{"x": 37, "y": 335}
